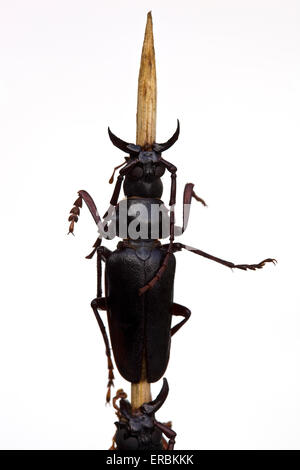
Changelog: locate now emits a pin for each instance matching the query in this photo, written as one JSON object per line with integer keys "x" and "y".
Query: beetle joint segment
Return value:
{"x": 74, "y": 214}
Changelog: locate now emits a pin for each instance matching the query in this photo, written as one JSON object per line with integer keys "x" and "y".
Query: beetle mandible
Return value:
{"x": 139, "y": 274}
{"x": 137, "y": 429}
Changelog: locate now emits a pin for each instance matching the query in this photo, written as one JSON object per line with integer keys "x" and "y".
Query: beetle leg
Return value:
{"x": 123, "y": 172}
{"x": 172, "y": 169}
{"x": 104, "y": 253}
{"x": 229, "y": 264}
{"x": 99, "y": 303}
{"x": 180, "y": 310}
{"x": 164, "y": 442}
{"x": 75, "y": 211}
{"x": 188, "y": 194}
{"x": 199, "y": 199}
{"x": 113, "y": 446}
{"x": 167, "y": 432}
{"x": 95, "y": 246}
{"x": 158, "y": 275}
{"x": 116, "y": 193}
{"x": 74, "y": 214}
{"x": 119, "y": 395}
{"x": 187, "y": 197}
{"x": 84, "y": 195}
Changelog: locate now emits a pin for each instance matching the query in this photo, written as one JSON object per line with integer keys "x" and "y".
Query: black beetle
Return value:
{"x": 139, "y": 275}
{"x": 138, "y": 429}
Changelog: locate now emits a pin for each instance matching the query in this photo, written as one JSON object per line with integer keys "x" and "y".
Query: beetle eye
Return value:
{"x": 136, "y": 172}
{"x": 159, "y": 170}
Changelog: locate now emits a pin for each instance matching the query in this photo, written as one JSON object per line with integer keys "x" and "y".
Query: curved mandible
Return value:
{"x": 170, "y": 142}
{"x": 153, "y": 406}
{"x": 122, "y": 145}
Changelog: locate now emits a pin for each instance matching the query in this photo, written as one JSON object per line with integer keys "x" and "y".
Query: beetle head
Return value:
{"x": 147, "y": 157}
{"x": 142, "y": 419}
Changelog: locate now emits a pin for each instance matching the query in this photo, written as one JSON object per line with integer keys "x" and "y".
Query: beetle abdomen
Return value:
{"x": 139, "y": 325}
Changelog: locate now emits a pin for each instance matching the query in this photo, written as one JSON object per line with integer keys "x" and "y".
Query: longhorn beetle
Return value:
{"x": 139, "y": 274}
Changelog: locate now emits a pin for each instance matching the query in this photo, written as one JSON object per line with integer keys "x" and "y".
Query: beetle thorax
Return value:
{"x": 145, "y": 178}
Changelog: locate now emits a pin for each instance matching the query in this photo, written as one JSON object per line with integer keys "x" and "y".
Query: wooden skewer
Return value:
{"x": 146, "y": 100}
{"x": 145, "y": 135}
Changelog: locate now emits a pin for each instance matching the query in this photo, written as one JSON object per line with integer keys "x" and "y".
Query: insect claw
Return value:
{"x": 268, "y": 260}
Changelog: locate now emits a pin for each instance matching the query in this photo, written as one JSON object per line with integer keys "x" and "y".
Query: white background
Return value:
{"x": 229, "y": 70}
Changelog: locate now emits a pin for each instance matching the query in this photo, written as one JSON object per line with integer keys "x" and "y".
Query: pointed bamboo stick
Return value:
{"x": 145, "y": 135}
{"x": 146, "y": 101}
